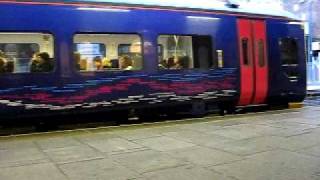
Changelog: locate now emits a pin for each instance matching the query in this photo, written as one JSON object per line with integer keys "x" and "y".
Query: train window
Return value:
{"x": 185, "y": 52}
{"x": 102, "y": 52}
{"x": 124, "y": 49}
{"x": 220, "y": 61}
{"x": 261, "y": 53}
{"x": 245, "y": 50}
{"x": 160, "y": 51}
{"x": 26, "y": 52}
{"x": 288, "y": 51}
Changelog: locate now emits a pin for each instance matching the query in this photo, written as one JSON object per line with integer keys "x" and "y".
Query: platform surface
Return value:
{"x": 277, "y": 145}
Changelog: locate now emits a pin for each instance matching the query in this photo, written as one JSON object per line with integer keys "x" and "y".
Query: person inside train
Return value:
{"x": 170, "y": 63}
{"x": 106, "y": 63}
{"x": 10, "y": 66}
{"x": 182, "y": 62}
{"x": 163, "y": 64}
{"x": 41, "y": 62}
{"x": 98, "y": 63}
{"x": 3, "y": 62}
{"x": 125, "y": 63}
{"x": 77, "y": 58}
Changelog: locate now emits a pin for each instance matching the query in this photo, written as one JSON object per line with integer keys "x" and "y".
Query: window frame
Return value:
{"x": 54, "y": 51}
{"x": 106, "y": 71}
{"x": 261, "y": 53}
{"x": 123, "y": 44}
{"x": 212, "y": 56}
{"x": 296, "y": 63}
{"x": 246, "y": 57}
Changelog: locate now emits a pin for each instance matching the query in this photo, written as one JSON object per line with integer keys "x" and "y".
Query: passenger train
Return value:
{"x": 60, "y": 57}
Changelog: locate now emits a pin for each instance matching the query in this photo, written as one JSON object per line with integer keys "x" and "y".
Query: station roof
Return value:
{"x": 266, "y": 8}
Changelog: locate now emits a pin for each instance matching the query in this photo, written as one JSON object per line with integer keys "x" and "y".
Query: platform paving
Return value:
{"x": 274, "y": 145}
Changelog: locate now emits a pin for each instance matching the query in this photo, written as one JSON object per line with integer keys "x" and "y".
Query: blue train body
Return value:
{"x": 66, "y": 89}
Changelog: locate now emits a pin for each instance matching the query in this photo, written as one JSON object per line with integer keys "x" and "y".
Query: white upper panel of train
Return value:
{"x": 262, "y": 7}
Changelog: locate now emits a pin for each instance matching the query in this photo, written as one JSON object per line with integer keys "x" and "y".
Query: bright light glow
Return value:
{"x": 297, "y": 23}
{"x": 296, "y": 7}
{"x": 315, "y": 46}
{"x": 306, "y": 28}
{"x": 103, "y": 9}
{"x": 202, "y": 18}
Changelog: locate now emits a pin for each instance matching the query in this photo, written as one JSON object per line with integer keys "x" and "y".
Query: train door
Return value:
{"x": 253, "y": 61}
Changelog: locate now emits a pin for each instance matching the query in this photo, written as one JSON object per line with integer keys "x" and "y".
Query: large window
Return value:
{"x": 26, "y": 52}
{"x": 288, "y": 51}
{"x": 102, "y": 52}
{"x": 185, "y": 52}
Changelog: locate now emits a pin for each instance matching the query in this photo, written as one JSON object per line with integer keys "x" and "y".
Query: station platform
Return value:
{"x": 277, "y": 145}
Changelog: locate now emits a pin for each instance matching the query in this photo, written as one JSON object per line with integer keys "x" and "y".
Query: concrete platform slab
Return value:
{"x": 276, "y": 145}
{"x": 236, "y": 133}
{"x": 57, "y": 142}
{"x": 163, "y": 143}
{"x": 100, "y": 169}
{"x": 44, "y": 171}
{"x": 186, "y": 173}
{"x": 278, "y": 164}
{"x": 147, "y": 161}
{"x": 72, "y": 154}
{"x": 21, "y": 156}
{"x": 204, "y": 156}
{"x": 312, "y": 151}
{"x": 197, "y": 138}
{"x": 113, "y": 145}
{"x": 251, "y": 146}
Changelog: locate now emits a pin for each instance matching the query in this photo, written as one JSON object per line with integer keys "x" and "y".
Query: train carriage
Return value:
{"x": 81, "y": 56}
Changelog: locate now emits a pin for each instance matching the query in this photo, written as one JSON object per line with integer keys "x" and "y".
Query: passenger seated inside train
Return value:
{"x": 162, "y": 64}
{"x": 41, "y": 62}
{"x": 114, "y": 63}
{"x": 3, "y": 62}
{"x": 77, "y": 58}
{"x": 182, "y": 62}
{"x": 5, "y": 65}
{"x": 125, "y": 63}
{"x": 98, "y": 63}
{"x": 10, "y": 66}
{"x": 170, "y": 63}
{"x": 106, "y": 63}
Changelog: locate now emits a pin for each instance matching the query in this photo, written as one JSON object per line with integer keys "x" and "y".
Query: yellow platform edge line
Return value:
{"x": 293, "y": 105}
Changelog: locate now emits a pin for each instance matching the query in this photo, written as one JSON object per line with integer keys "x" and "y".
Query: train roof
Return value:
{"x": 234, "y": 6}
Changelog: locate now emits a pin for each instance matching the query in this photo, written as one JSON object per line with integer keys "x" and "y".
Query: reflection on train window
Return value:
{"x": 288, "y": 51}
{"x": 245, "y": 51}
{"x": 102, "y": 52}
{"x": 185, "y": 52}
{"x": 261, "y": 53}
{"x": 26, "y": 52}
